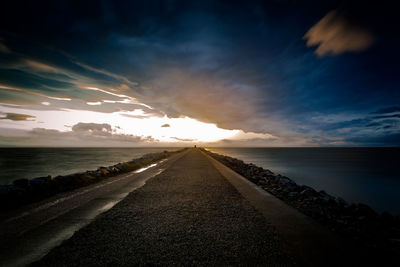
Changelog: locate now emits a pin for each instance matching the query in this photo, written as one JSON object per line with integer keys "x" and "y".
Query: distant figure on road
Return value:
{"x": 194, "y": 146}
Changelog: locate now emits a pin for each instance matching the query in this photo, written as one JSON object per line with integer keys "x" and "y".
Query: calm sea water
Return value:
{"x": 16, "y": 163}
{"x": 367, "y": 175}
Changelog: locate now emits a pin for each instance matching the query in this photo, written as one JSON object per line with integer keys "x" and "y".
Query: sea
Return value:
{"x": 358, "y": 175}
{"x": 17, "y": 163}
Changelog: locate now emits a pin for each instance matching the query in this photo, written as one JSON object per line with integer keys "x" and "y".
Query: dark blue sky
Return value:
{"x": 307, "y": 72}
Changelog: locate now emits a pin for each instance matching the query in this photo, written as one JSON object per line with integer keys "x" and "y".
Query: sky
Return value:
{"x": 212, "y": 73}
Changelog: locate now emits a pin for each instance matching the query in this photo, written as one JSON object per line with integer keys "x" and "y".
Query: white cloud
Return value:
{"x": 94, "y": 103}
{"x": 82, "y": 135}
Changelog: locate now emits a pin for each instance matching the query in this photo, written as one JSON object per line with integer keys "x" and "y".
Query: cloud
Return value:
{"x": 91, "y": 127}
{"x": 81, "y": 135}
{"x": 40, "y": 66}
{"x": 334, "y": 35}
{"x": 205, "y": 97}
{"x": 94, "y": 103}
{"x": 225, "y": 63}
{"x": 184, "y": 139}
{"x": 388, "y": 116}
{"x": 365, "y": 129}
{"x": 4, "y": 48}
{"x": 166, "y": 125}
{"x": 387, "y": 110}
{"x": 16, "y": 117}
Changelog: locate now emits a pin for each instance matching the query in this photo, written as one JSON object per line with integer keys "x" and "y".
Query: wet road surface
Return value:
{"x": 29, "y": 233}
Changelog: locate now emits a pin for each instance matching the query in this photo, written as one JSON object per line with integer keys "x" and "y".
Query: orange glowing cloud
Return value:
{"x": 40, "y": 66}
{"x": 334, "y": 35}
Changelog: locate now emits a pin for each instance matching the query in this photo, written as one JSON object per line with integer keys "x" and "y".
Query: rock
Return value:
{"x": 103, "y": 171}
{"x": 91, "y": 174}
{"x": 11, "y": 196}
{"x": 386, "y": 218}
{"x": 40, "y": 181}
{"x": 113, "y": 169}
{"x": 308, "y": 192}
{"x": 293, "y": 194}
{"x": 364, "y": 210}
{"x": 23, "y": 183}
{"x": 9, "y": 190}
{"x": 120, "y": 166}
{"x": 262, "y": 182}
{"x": 66, "y": 181}
{"x": 340, "y": 201}
{"x": 325, "y": 197}
{"x": 284, "y": 180}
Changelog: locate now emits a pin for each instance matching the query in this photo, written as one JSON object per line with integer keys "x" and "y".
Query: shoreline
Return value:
{"x": 357, "y": 221}
{"x": 27, "y": 191}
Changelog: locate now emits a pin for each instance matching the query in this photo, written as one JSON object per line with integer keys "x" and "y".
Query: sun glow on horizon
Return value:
{"x": 130, "y": 123}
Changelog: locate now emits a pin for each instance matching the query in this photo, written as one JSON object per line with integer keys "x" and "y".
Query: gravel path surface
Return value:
{"x": 188, "y": 215}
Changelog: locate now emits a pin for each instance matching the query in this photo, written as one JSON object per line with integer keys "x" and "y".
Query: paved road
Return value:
{"x": 187, "y": 215}
{"x": 31, "y": 232}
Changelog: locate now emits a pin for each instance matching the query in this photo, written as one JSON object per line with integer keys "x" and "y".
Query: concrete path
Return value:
{"x": 187, "y": 215}
{"x": 302, "y": 237}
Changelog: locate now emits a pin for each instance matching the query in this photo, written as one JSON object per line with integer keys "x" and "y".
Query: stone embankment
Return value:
{"x": 357, "y": 221}
{"x": 25, "y": 191}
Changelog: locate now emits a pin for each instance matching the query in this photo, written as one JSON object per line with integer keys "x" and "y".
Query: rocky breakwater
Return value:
{"x": 25, "y": 191}
{"x": 357, "y": 221}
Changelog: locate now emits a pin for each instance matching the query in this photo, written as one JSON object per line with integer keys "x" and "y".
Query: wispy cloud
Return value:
{"x": 334, "y": 35}
{"x": 184, "y": 139}
{"x": 387, "y": 110}
{"x": 41, "y": 66}
{"x": 108, "y": 73}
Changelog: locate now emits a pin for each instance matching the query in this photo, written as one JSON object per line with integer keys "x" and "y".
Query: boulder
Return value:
{"x": 23, "y": 183}
{"x": 386, "y": 218}
{"x": 364, "y": 210}
{"x": 12, "y": 196}
{"x": 40, "y": 181}
{"x": 308, "y": 192}
{"x": 284, "y": 180}
{"x": 340, "y": 201}
{"x": 102, "y": 171}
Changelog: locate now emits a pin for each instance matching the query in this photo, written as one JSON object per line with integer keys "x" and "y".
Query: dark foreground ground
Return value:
{"x": 188, "y": 215}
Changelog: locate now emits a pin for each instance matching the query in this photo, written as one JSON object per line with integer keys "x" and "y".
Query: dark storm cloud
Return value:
{"x": 388, "y": 116}
{"x": 239, "y": 65}
{"x": 3, "y": 48}
{"x": 387, "y": 110}
{"x": 368, "y": 130}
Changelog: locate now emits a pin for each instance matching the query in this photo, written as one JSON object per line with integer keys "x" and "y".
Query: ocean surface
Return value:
{"x": 16, "y": 163}
{"x": 366, "y": 175}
